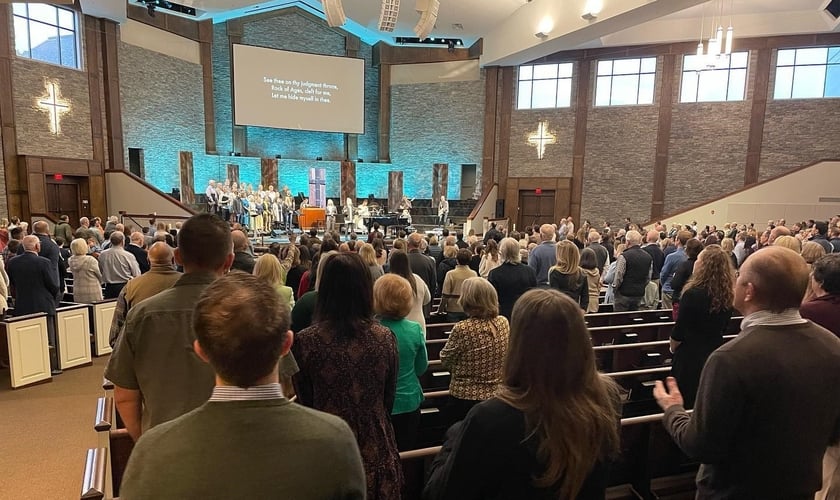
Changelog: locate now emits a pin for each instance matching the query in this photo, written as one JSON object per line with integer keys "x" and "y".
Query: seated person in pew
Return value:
{"x": 247, "y": 441}
{"x": 551, "y": 388}
{"x": 156, "y": 375}
{"x": 392, "y": 301}
{"x": 475, "y": 350}
{"x": 766, "y": 406}
{"x": 705, "y": 310}
{"x": 161, "y": 276}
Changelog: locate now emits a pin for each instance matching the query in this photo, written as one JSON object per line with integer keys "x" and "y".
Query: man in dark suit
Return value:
{"x": 421, "y": 265}
{"x": 50, "y": 251}
{"x": 35, "y": 286}
{"x": 136, "y": 249}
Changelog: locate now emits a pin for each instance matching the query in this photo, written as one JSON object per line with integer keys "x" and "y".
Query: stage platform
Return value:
{"x": 283, "y": 238}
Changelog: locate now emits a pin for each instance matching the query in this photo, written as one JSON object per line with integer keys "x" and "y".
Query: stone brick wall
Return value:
{"x": 557, "y": 161}
{"x": 33, "y": 122}
{"x": 431, "y": 123}
{"x": 162, "y": 112}
{"x": 620, "y": 152}
{"x": 4, "y": 200}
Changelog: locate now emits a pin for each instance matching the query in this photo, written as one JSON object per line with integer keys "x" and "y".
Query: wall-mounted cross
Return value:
{"x": 54, "y": 105}
{"x": 541, "y": 138}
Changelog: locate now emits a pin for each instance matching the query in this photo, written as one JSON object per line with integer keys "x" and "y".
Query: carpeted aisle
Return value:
{"x": 45, "y": 431}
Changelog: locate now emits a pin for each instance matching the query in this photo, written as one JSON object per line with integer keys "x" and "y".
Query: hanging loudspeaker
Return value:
{"x": 427, "y": 20}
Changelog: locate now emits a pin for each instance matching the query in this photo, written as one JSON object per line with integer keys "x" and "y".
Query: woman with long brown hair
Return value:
{"x": 705, "y": 310}
{"x": 553, "y": 425}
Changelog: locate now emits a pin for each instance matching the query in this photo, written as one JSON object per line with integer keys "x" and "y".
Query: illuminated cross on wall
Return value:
{"x": 541, "y": 138}
{"x": 54, "y": 105}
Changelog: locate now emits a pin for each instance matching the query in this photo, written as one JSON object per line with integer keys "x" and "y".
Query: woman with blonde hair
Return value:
{"x": 87, "y": 278}
{"x": 392, "y": 301}
{"x": 566, "y": 275}
{"x": 268, "y": 268}
{"x": 788, "y": 242}
{"x": 728, "y": 247}
{"x": 705, "y": 311}
{"x": 475, "y": 349}
{"x": 490, "y": 259}
{"x": 368, "y": 255}
{"x": 812, "y": 252}
{"x": 553, "y": 425}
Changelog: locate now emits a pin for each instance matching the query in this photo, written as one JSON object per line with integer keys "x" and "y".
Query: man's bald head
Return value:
{"x": 41, "y": 227}
{"x": 547, "y": 232}
{"x": 240, "y": 241}
{"x": 779, "y": 277}
{"x": 652, "y": 236}
{"x": 160, "y": 253}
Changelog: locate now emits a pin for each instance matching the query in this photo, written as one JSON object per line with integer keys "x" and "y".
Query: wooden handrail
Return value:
{"x": 150, "y": 187}
{"x": 625, "y": 422}
{"x": 104, "y": 414}
{"x": 93, "y": 477}
{"x": 481, "y": 201}
{"x": 633, "y": 373}
{"x": 740, "y": 190}
{"x": 153, "y": 216}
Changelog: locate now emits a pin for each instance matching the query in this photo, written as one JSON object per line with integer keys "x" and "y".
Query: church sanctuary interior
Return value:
{"x": 452, "y": 119}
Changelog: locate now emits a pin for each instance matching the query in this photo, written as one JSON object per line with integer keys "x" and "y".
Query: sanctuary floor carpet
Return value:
{"x": 45, "y": 431}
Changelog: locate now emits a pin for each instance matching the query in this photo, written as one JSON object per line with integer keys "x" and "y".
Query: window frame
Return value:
{"x": 612, "y": 75}
{"x": 728, "y": 69}
{"x": 556, "y": 79}
{"x": 60, "y": 30}
{"x": 793, "y": 67}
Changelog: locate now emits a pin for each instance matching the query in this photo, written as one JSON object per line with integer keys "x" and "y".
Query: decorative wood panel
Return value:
{"x": 440, "y": 181}
{"x": 187, "y": 177}
{"x": 395, "y": 190}
{"x": 8, "y": 134}
{"x": 73, "y": 330}
{"x": 103, "y": 315}
{"x": 93, "y": 51}
{"x": 269, "y": 172}
{"x": 233, "y": 173}
{"x": 348, "y": 181}
{"x": 29, "y": 353}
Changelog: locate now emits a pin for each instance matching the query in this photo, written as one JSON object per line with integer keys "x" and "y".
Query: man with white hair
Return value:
{"x": 632, "y": 274}
{"x": 36, "y": 287}
{"x": 512, "y": 278}
{"x": 117, "y": 266}
{"x": 601, "y": 254}
{"x": 135, "y": 248}
{"x": 543, "y": 256}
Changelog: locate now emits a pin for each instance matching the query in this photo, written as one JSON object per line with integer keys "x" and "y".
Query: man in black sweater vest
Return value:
{"x": 632, "y": 274}
{"x": 767, "y": 404}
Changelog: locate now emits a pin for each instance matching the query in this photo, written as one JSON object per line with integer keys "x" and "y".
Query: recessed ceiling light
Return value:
{"x": 458, "y": 26}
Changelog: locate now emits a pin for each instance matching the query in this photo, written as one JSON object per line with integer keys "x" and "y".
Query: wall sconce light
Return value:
{"x": 592, "y": 9}
{"x": 544, "y": 28}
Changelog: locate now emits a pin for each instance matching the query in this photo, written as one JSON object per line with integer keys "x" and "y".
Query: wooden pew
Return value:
{"x": 102, "y": 313}
{"x": 628, "y": 318}
{"x": 650, "y": 465}
{"x": 116, "y": 443}
{"x": 26, "y": 341}
{"x": 72, "y": 324}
